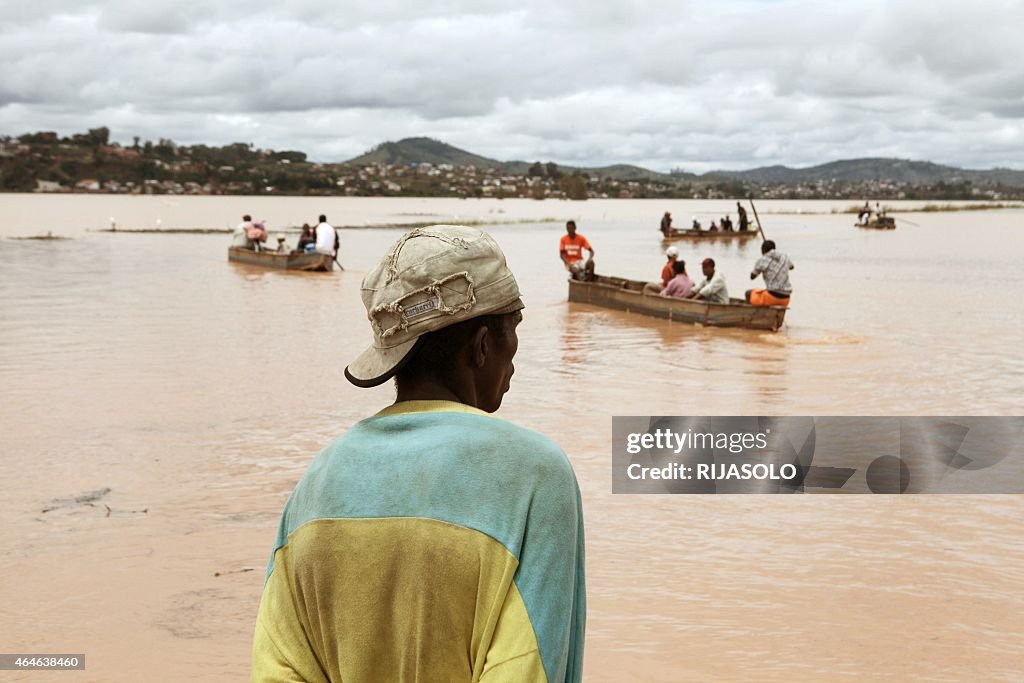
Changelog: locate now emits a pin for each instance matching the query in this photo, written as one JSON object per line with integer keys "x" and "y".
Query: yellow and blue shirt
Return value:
{"x": 432, "y": 542}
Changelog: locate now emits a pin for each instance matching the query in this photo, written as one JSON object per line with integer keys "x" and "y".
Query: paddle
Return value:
{"x": 758, "y": 219}
{"x": 337, "y": 245}
{"x": 916, "y": 225}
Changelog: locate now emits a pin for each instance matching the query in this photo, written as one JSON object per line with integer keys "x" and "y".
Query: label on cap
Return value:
{"x": 421, "y": 308}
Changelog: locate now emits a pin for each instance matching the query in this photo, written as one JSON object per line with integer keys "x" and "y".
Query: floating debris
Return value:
{"x": 167, "y": 231}
{"x": 86, "y": 498}
{"x": 47, "y": 237}
{"x": 143, "y": 511}
{"x": 235, "y": 571}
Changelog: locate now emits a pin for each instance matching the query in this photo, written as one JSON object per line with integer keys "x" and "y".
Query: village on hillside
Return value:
{"x": 92, "y": 163}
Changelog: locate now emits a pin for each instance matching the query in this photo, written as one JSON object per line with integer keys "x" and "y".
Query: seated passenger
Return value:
{"x": 712, "y": 288}
{"x": 306, "y": 239}
{"x": 680, "y": 285}
{"x": 570, "y": 249}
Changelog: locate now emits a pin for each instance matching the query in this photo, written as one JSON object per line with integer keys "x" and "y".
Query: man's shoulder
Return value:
{"x": 484, "y": 436}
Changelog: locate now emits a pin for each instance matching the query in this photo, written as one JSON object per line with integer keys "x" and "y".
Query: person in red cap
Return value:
{"x": 712, "y": 288}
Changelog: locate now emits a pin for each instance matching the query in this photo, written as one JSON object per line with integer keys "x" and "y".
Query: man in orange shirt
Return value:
{"x": 571, "y": 250}
{"x": 667, "y": 273}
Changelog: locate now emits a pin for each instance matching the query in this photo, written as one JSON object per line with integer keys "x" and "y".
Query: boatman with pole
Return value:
{"x": 325, "y": 236}
{"x": 775, "y": 267}
{"x": 744, "y": 222}
{"x": 432, "y": 541}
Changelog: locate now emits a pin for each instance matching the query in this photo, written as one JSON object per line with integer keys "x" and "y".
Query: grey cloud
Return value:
{"x": 699, "y": 85}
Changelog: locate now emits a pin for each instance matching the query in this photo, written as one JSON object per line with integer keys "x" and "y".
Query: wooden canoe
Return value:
{"x": 629, "y": 295}
{"x": 882, "y": 223}
{"x": 314, "y": 261}
{"x": 698, "y": 235}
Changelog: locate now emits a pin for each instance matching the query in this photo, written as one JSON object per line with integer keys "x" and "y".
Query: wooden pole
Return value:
{"x": 758, "y": 219}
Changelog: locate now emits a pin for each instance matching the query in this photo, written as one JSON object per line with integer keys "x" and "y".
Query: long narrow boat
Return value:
{"x": 880, "y": 223}
{"x": 629, "y": 295}
{"x": 314, "y": 261}
{"x": 698, "y": 235}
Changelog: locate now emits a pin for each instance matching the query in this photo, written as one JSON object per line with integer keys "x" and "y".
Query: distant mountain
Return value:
{"x": 428, "y": 150}
{"x": 860, "y": 170}
{"x": 423, "y": 150}
{"x": 900, "y": 171}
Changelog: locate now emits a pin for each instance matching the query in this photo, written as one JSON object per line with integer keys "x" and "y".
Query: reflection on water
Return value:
{"x": 199, "y": 390}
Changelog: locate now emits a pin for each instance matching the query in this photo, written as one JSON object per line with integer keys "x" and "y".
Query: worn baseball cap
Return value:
{"x": 429, "y": 279}
{"x": 672, "y": 251}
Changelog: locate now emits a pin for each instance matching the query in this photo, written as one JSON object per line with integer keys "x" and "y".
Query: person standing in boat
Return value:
{"x": 742, "y": 217}
{"x": 666, "y": 224}
{"x": 570, "y": 249}
{"x": 865, "y": 214}
{"x": 326, "y": 237}
{"x": 775, "y": 267}
{"x": 712, "y": 288}
{"x": 680, "y": 285}
{"x": 240, "y": 238}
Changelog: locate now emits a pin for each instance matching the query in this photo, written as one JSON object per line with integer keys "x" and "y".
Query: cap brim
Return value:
{"x": 374, "y": 366}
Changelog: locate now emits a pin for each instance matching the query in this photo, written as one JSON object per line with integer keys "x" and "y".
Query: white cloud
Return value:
{"x": 698, "y": 85}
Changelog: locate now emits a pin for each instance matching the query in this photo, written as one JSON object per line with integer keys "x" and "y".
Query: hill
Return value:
{"x": 428, "y": 150}
{"x": 872, "y": 169}
{"x": 422, "y": 150}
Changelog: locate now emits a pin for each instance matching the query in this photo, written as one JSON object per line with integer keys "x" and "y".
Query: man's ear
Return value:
{"x": 480, "y": 346}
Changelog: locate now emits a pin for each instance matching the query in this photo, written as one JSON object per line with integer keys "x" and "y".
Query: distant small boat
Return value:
{"x": 879, "y": 223}
{"x": 691, "y": 234}
{"x": 314, "y": 261}
{"x": 629, "y": 295}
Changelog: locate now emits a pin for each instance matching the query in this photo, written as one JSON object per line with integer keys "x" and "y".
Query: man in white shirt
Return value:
{"x": 325, "y": 236}
{"x": 241, "y": 235}
{"x": 712, "y": 288}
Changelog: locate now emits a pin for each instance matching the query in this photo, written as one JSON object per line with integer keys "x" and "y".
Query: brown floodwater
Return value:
{"x": 198, "y": 391}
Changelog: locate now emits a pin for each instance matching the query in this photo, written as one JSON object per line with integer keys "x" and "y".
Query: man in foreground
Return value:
{"x": 432, "y": 542}
{"x": 775, "y": 267}
{"x": 570, "y": 249}
{"x": 712, "y": 288}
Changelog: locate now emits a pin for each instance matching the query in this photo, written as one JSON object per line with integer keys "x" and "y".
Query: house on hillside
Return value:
{"x": 49, "y": 186}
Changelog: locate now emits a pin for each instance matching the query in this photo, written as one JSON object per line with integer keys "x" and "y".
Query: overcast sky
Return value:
{"x": 696, "y": 85}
